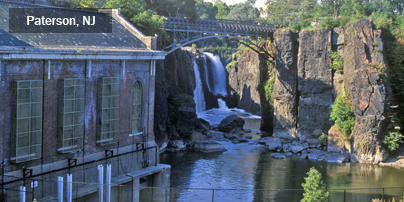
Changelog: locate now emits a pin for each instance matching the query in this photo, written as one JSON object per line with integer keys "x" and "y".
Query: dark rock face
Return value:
{"x": 285, "y": 103}
{"x": 338, "y": 39}
{"x": 173, "y": 76}
{"x": 314, "y": 81}
{"x": 349, "y": 58}
{"x": 243, "y": 79}
{"x": 369, "y": 95}
{"x": 231, "y": 123}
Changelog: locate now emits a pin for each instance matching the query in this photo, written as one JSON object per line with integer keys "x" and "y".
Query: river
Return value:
{"x": 249, "y": 167}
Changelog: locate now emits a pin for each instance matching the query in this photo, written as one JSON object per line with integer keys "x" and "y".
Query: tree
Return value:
{"x": 314, "y": 188}
{"x": 222, "y": 9}
{"x": 146, "y": 20}
{"x": 244, "y": 12}
{"x": 206, "y": 10}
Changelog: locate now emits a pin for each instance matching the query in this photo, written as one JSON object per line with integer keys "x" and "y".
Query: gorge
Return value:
{"x": 292, "y": 95}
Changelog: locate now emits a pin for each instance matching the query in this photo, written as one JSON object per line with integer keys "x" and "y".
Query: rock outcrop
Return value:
{"x": 314, "y": 81}
{"x": 370, "y": 92}
{"x": 174, "y": 76}
{"x": 243, "y": 79}
{"x": 285, "y": 103}
{"x": 231, "y": 124}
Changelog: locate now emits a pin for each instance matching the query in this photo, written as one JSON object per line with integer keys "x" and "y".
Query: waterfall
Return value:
{"x": 222, "y": 104}
{"x": 216, "y": 75}
{"x": 198, "y": 93}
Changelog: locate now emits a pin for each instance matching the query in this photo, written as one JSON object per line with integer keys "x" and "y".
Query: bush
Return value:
{"x": 342, "y": 114}
{"x": 392, "y": 140}
{"x": 184, "y": 98}
{"x": 314, "y": 188}
{"x": 337, "y": 62}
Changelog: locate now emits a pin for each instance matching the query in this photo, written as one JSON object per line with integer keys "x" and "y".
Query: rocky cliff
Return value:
{"x": 370, "y": 92}
{"x": 175, "y": 84}
{"x": 314, "y": 82}
{"x": 243, "y": 81}
{"x": 285, "y": 86}
{"x": 305, "y": 87}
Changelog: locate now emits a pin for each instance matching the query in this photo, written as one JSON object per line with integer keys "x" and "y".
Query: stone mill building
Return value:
{"x": 79, "y": 104}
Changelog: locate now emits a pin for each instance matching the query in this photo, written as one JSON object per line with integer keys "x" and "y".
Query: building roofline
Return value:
{"x": 150, "y": 41}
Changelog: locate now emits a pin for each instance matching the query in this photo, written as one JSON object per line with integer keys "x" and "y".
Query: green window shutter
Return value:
{"x": 136, "y": 111}
{"x": 71, "y": 114}
{"x": 108, "y": 110}
{"x": 26, "y": 131}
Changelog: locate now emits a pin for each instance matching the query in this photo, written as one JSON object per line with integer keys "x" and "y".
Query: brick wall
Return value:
{"x": 127, "y": 71}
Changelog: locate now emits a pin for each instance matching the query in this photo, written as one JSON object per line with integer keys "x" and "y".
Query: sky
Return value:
{"x": 259, "y": 3}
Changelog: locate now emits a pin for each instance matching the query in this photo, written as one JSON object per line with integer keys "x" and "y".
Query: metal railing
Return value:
{"x": 125, "y": 192}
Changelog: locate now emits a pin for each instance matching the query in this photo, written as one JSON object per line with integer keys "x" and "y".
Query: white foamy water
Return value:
{"x": 198, "y": 93}
{"x": 216, "y": 84}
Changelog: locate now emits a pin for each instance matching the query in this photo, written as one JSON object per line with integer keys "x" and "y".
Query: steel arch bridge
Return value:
{"x": 184, "y": 32}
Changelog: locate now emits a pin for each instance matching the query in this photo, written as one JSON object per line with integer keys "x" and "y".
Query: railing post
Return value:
{"x": 60, "y": 189}
{"x": 213, "y": 195}
{"x": 344, "y": 194}
{"x": 108, "y": 182}
{"x": 22, "y": 194}
{"x": 383, "y": 195}
{"x": 69, "y": 186}
{"x": 100, "y": 183}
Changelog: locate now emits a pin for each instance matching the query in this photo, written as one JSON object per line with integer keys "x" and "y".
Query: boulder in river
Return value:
{"x": 278, "y": 155}
{"x": 274, "y": 143}
{"x": 231, "y": 124}
{"x": 208, "y": 146}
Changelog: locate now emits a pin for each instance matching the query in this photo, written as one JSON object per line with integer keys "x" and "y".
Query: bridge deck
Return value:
{"x": 222, "y": 27}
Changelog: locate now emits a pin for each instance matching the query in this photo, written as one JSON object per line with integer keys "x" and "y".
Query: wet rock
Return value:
{"x": 202, "y": 126}
{"x": 247, "y": 130}
{"x": 296, "y": 148}
{"x": 177, "y": 144}
{"x": 286, "y": 147}
{"x": 264, "y": 140}
{"x": 274, "y": 144}
{"x": 278, "y": 155}
{"x": 313, "y": 156}
{"x": 248, "y": 136}
{"x": 336, "y": 158}
{"x": 208, "y": 146}
{"x": 212, "y": 133}
{"x": 312, "y": 141}
{"x": 231, "y": 123}
{"x": 289, "y": 154}
{"x": 198, "y": 136}
{"x": 243, "y": 140}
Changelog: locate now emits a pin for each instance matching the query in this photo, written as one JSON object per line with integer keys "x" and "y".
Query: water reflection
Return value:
{"x": 250, "y": 167}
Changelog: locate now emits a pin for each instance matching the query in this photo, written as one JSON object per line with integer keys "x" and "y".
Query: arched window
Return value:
{"x": 136, "y": 122}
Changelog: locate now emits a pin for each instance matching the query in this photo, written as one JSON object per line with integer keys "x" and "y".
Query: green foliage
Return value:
{"x": 244, "y": 12}
{"x": 184, "y": 98}
{"x": 337, "y": 62}
{"x": 342, "y": 114}
{"x": 392, "y": 140}
{"x": 323, "y": 137}
{"x": 206, "y": 10}
{"x": 233, "y": 63}
{"x": 149, "y": 23}
{"x": 380, "y": 70}
{"x": 222, "y": 9}
{"x": 314, "y": 187}
{"x": 268, "y": 87}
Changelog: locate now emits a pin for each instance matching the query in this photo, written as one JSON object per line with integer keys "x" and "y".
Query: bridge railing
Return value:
{"x": 222, "y": 25}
